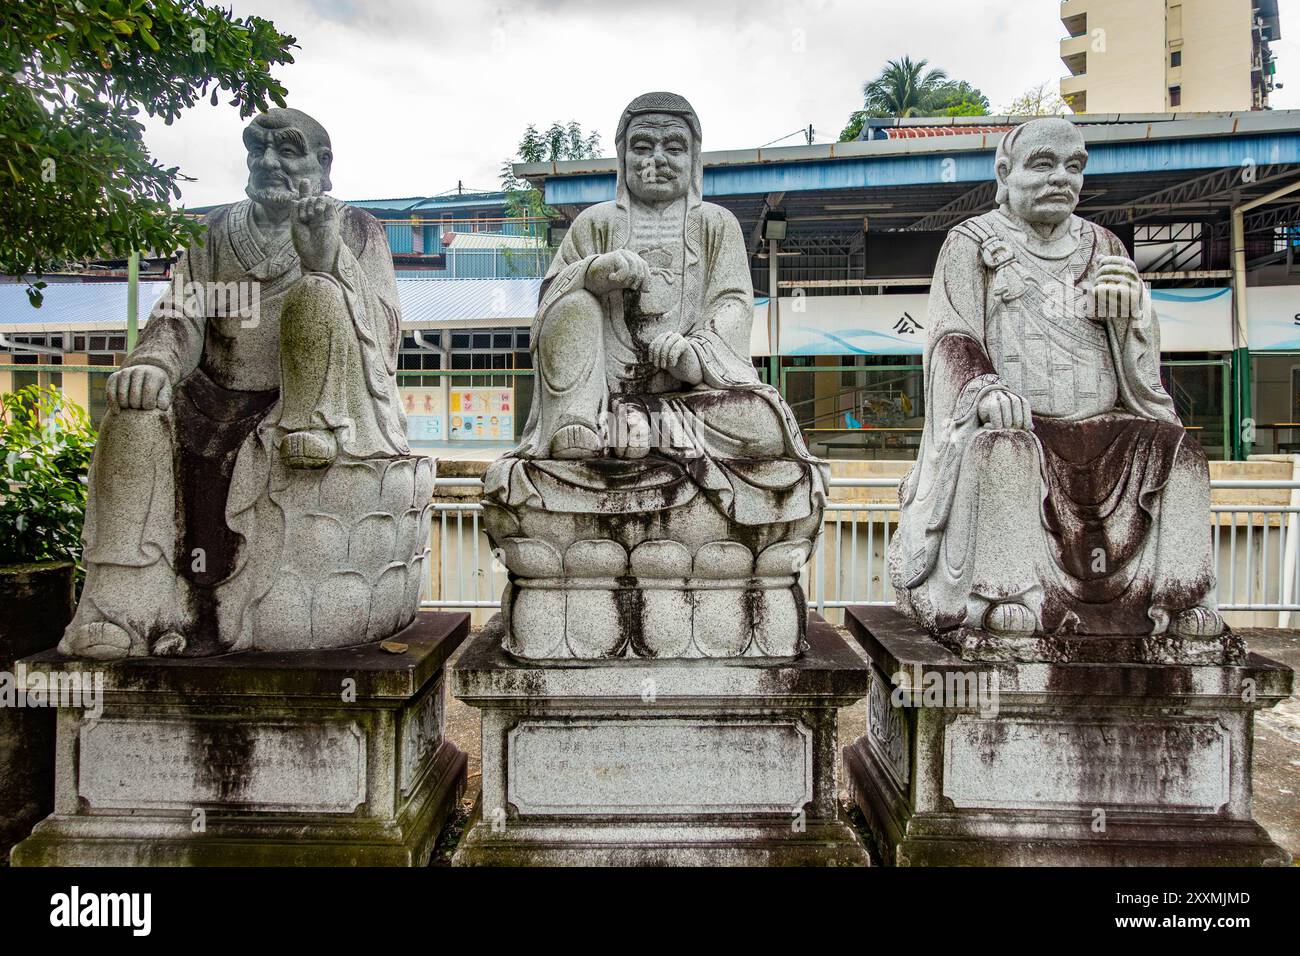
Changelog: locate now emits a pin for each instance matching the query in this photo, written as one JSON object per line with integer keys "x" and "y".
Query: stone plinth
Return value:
{"x": 38, "y": 601}
{"x": 1063, "y": 763}
{"x": 668, "y": 762}
{"x": 646, "y": 566}
{"x": 333, "y": 757}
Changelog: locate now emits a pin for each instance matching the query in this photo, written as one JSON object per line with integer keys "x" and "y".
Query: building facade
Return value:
{"x": 1162, "y": 56}
{"x": 841, "y": 297}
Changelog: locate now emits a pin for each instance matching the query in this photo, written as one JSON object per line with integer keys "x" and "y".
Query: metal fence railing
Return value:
{"x": 1255, "y": 546}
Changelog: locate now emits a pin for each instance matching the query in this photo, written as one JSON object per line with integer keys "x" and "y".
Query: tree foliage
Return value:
{"x": 76, "y": 180}
{"x": 1041, "y": 100}
{"x": 45, "y": 446}
{"x": 561, "y": 141}
{"x": 907, "y": 87}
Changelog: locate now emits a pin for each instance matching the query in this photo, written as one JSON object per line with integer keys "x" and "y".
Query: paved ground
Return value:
{"x": 1276, "y": 770}
{"x": 1276, "y": 759}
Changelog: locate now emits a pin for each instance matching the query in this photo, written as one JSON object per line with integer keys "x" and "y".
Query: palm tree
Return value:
{"x": 904, "y": 88}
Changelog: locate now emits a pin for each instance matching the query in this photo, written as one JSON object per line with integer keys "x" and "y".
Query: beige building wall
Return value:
{"x": 76, "y": 385}
{"x": 1127, "y": 47}
{"x": 1217, "y": 51}
{"x": 1124, "y": 49}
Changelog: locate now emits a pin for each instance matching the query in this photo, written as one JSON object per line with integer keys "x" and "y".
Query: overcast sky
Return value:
{"x": 419, "y": 95}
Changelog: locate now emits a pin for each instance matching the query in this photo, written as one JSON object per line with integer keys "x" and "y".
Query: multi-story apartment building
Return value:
{"x": 1167, "y": 56}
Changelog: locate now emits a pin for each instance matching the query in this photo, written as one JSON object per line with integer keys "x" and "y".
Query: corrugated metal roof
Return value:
{"x": 72, "y": 306}
{"x": 488, "y": 240}
{"x": 921, "y": 132}
{"x": 432, "y": 302}
{"x": 426, "y": 303}
{"x": 405, "y": 203}
{"x": 445, "y": 201}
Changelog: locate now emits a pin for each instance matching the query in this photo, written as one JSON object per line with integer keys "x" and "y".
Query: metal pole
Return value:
{"x": 132, "y": 300}
{"x": 1240, "y": 342}
{"x": 773, "y": 313}
{"x": 1240, "y": 339}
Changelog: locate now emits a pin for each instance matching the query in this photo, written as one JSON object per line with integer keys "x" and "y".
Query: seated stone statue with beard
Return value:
{"x": 661, "y": 500}
{"x": 1056, "y": 491}
{"x": 252, "y": 487}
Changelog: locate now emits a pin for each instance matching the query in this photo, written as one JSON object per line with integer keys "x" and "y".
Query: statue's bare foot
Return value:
{"x": 575, "y": 441}
{"x": 637, "y": 433}
{"x": 309, "y": 449}
{"x": 1198, "y": 622}
{"x": 1011, "y": 619}
{"x": 100, "y": 641}
{"x": 171, "y": 644}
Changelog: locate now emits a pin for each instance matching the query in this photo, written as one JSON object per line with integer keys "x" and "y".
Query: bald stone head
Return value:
{"x": 1040, "y": 171}
{"x": 286, "y": 147}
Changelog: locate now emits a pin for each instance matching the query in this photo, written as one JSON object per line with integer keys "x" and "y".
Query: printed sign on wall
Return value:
{"x": 1273, "y": 318}
{"x": 482, "y": 414}
{"x": 424, "y": 414}
{"x": 1191, "y": 320}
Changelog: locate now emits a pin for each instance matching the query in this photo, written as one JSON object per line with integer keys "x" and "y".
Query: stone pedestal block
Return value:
{"x": 660, "y": 762}
{"x": 38, "y": 604}
{"x": 1013, "y": 763}
{"x": 333, "y": 757}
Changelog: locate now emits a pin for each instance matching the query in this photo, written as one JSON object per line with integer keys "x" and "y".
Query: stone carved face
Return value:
{"x": 1040, "y": 178}
{"x": 285, "y": 147}
{"x": 657, "y": 163}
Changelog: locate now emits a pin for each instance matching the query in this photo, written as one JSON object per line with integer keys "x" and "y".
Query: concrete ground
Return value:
{"x": 1276, "y": 769}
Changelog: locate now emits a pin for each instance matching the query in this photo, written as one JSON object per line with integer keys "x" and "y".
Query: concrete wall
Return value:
{"x": 76, "y": 385}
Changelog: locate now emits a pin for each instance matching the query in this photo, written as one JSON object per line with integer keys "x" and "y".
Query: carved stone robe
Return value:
{"x": 198, "y": 469}
{"x": 710, "y": 302}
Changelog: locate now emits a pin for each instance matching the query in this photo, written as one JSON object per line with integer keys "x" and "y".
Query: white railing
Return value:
{"x": 1255, "y": 545}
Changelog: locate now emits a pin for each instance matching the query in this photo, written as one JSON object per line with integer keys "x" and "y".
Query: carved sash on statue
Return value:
{"x": 252, "y": 487}
{"x": 1056, "y": 495}
{"x": 661, "y": 500}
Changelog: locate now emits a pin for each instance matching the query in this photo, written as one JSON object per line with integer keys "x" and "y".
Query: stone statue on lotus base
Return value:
{"x": 257, "y": 527}
{"x": 252, "y": 488}
{"x": 657, "y": 479}
{"x": 654, "y": 520}
{"x": 1056, "y": 685}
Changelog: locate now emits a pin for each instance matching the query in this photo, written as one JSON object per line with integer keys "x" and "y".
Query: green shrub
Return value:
{"x": 45, "y": 446}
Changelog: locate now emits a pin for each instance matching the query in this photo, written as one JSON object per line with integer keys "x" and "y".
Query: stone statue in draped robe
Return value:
{"x": 252, "y": 486}
{"x": 1056, "y": 491}
{"x": 652, "y": 450}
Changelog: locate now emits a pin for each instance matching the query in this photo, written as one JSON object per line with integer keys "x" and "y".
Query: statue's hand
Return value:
{"x": 619, "y": 269}
{"x": 140, "y": 387}
{"x": 315, "y": 227}
{"x": 1117, "y": 290}
{"x": 671, "y": 352}
{"x": 1002, "y": 409}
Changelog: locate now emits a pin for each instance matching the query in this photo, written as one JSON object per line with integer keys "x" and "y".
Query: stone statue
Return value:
{"x": 252, "y": 487}
{"x": 1056, "y": 491}
{"x": 661, "y": 500}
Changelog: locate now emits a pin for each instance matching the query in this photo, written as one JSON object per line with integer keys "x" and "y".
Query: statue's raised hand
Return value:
{"x": 1003, "y": 409}
{"x": 140, "y": 387}
{"x": 619, "y": 269}
{"x": 315, "y": 227}
{"x": 1117, "y": 289}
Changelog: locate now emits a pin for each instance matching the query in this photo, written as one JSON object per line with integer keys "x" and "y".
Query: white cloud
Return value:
{"x": 418, "y": 96}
